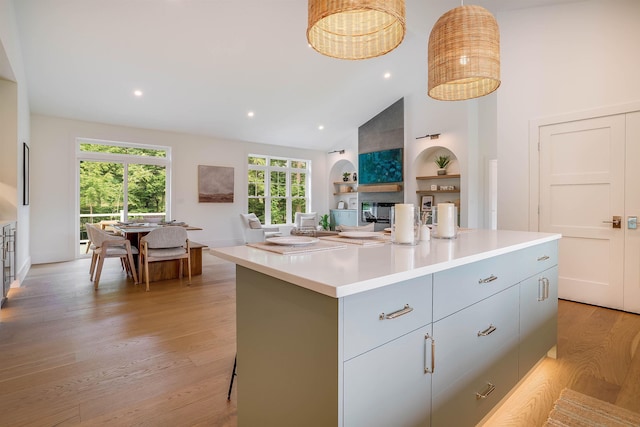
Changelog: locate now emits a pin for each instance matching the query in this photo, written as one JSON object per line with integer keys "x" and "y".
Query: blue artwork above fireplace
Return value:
{"x": 380, "y": 167}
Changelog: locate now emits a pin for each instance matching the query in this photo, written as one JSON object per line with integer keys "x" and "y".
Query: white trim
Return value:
{"x": 288, "y": 170}
{"x": 534, "y": 140}
{"x": 125, "y": 159}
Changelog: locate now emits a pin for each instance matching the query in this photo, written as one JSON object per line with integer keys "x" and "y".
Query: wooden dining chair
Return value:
{"x": 107, "y": 245}
{"x": 162, "y": 244}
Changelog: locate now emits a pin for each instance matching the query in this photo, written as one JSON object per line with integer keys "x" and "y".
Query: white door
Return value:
{"x": 582, "y": 188}
{"x": 632, "y": 205}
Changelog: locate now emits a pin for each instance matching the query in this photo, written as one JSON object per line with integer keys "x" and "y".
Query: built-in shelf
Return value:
{"x": 351, "y": 184}
{"x": 379, "y": 188}
{"x": 438, "y": 176}
{"x": 422, "y": 192}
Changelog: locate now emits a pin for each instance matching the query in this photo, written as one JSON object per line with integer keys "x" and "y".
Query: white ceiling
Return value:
{"x": 203, "y": 64}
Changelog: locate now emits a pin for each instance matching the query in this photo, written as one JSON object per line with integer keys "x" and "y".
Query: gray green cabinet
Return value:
{"x": 440, "y": 349}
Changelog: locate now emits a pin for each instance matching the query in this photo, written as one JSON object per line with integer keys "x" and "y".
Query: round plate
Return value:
{"x": 360, "y": 234}
{"x": 292, "y": 241}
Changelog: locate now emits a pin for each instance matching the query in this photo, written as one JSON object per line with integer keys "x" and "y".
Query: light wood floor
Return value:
{"x": 123, "y": 356}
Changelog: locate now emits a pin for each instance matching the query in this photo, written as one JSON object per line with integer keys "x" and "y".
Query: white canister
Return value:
{"x": 425, "y": 233}
{"x": 447, "y": 227}
{"x": 405, "y": 224}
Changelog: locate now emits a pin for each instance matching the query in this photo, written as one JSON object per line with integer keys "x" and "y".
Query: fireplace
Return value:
{"x": 377, "y": 213}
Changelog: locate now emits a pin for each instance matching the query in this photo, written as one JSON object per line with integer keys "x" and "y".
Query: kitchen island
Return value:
{"x": 387, "y": 335}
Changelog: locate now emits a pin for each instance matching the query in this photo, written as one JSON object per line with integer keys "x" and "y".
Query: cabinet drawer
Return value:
{"x": 459, "y": 405}
{"x": 462, "y": 286}
{"x": 375, "y": 317}
{"x": 471, "y": 341}
{"x": 467, "y": 362}
{"x": 538, "y": 258}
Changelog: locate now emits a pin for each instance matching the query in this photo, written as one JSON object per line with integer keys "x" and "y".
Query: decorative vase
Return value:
{"x": 442, "y": 171}
{"x": 345, "y": 178}
{"x": 355, "y": 177}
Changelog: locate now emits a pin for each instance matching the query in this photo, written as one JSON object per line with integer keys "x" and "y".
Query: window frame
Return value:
{"x": 266, "y": 169}
{"x": 126, "y": 160}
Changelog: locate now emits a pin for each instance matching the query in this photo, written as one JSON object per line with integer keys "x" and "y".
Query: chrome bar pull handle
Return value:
{"x": 491, "y": 329}
{"x": 546, "y": 288}
{"x": 541, "y": 289}
{"x": 487, "y": 392}
{"x": 488, "y": 279}
{"x": 428, "y": 370}
{"x": 397, "y": 313}
{"x": 543, "y": 258}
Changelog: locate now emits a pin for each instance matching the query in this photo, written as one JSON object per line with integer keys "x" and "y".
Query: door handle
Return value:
{"x": 616, "y": 221}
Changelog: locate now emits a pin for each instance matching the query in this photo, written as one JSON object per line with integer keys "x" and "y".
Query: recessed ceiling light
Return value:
{"x": 250, "y": 114}
{"x": 137, "y": 93}
{"x": 387, "y": 75}
{"x": 320, "y": 127}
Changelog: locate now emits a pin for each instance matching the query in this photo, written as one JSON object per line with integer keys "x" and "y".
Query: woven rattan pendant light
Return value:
{"x": 464, "y": 54}
{"x": 355, "y": 29}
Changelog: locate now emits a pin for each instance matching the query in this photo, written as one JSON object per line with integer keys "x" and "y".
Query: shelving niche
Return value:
{"x": 340, "y": 187}
{"x": 455, "y": 178}
{"x": 428, "y": 177}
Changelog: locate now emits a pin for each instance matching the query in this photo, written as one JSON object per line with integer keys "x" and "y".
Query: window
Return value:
{"x": 121, "y": 182}
{"x": 278, "y": 188}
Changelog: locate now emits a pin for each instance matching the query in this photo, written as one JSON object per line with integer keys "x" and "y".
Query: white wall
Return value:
{"x": 557, "y": 60}
{"x": 12, "y": 68}
{"x": 459, "y": 131}
{"x": 53, "y": 188}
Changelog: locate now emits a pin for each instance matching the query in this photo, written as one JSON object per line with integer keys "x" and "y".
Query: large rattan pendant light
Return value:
{"x": 464, "y": 54}
{"x": 355, "y": 29}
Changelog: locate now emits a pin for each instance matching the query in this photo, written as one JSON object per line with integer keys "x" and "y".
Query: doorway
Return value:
{"x": 588, "y": 172}
{"x": 120, "y": 182}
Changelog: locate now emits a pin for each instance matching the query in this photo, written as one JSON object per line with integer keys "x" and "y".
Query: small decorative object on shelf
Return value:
{"x": 442, "y": 162}
{"x": 355, "y": 177}
{"x": 346, "y": 176}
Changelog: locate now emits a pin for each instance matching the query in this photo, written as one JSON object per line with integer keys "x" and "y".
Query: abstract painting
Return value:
{"x": 215, "y": 184}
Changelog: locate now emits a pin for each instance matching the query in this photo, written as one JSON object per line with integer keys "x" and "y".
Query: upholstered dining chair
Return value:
{"x": 106, "y": 245}
{"x": 163, "y": 244}
{"x": 91, "y": 247}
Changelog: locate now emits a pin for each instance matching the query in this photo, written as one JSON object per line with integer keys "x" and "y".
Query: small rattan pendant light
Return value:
{"x": 355, "y": 29}
{"x": 464, "y": 54}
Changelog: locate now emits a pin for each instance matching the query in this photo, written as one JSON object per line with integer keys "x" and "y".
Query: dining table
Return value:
{"x": 163, "y": 270}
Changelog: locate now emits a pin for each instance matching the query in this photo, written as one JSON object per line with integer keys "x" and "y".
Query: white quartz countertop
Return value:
{"x": 341, "y": 272}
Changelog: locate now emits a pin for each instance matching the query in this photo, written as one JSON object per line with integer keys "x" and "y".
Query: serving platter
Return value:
{"x": 292, "y": 240}
{"x": 360, "y": 234}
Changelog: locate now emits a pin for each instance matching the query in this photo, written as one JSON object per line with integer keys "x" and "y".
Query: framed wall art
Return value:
{"x": 215, "y": 184}
{"x": 427, "y": 203}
